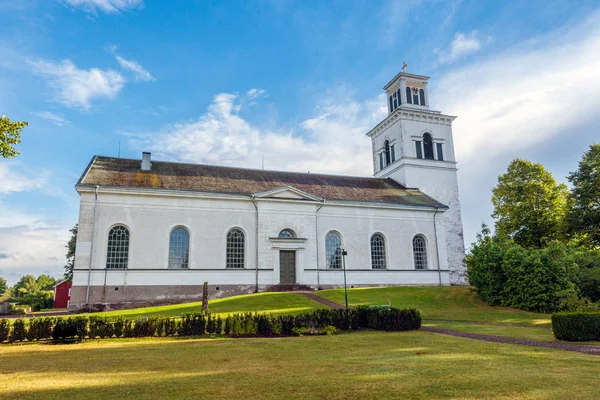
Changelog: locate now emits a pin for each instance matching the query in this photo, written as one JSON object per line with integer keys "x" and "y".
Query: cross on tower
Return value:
{"x": 404, "y": 65}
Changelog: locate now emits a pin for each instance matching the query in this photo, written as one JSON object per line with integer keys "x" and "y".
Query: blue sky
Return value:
{"x": 298, "y": 82}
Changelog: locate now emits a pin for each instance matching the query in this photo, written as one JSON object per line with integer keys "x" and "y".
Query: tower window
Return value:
{"x": 399, "y": 94}
{"x": 393, "y": 149}
{"x": 428, "y": 146}
{"x": 391, "y": 104}
{"x": 388, "y": 155}
{"x": 440, "y": 152}
{"x": 422, "y": 96}
{"x": 408, "y": 95}
{"x": 419, "y": 150}
{"x": 395, "y": 100}
{"x": 380, "y": 160}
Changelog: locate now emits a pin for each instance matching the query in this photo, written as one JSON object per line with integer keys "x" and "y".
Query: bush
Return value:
{"x": 576, "y": 326}
{"x": 101, "y": 327}
{"x": 507, "y": 274}
{"x": 4, "y": 330}
{"x": 145, "y": 327}
{"x": 193, "y": 324}
{"x": 72, "y": 328}
{"x": 19, "y": 331}
{"x": 40, "y": 328}
{"x": 119, "y": 326}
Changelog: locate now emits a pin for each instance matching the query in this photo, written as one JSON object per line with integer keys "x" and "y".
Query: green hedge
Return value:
{"x": 72, "y": 329}
{"x": 576, "y": 326}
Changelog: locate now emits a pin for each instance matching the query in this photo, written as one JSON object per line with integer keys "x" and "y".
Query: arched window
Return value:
{"x": 388, "y": 154}
{"x": 422, "y": 96}
{"x": 333, "y": 250}
{"x": 235, "y": 248}
{"x": 428, "y": 146}
{"x": 117, "y": 254}
{"x": 287, "y": 234}
{"x": 420, "y": 252}
{"x": 378, "y": 251}
{"x": 408, "y": 95}
{"x": 179, "y": 248}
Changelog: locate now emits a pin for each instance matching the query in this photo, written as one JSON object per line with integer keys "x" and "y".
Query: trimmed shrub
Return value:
{"x": 145, "y": 327}
{"x": 128, "y": 328}
{"x": 4, "y": 330}
{"x": 576, "y": 326}
{"x": 101, "y": 327}
{"x": 193, "y": 324}
{"x": 228, "y": 323}
{"x": 19, "y": 331}
{"x": 119, "y": 326}
{"x": 68, "y": 329}
{"x": 219, "y": 327}
{"x": 40, "y": 328}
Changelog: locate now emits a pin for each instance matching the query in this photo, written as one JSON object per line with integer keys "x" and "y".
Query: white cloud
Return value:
{"x": 13, "y": 182}
{"x": 34, "y": 248}
{"x": 462, "y": 45}
{"x": 57, "y": 119}
{"x": 141, "y": 74}
{"x": 324, "y": 143}
{"x": 76, "y": 87}
{"x": 105, "y": 6}
{"x": 256, "y": 93}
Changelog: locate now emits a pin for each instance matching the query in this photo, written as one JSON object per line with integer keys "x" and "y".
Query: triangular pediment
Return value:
{"x": 287, "y": 192}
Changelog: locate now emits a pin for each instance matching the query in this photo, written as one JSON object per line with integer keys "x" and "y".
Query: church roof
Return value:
{"x": 120, "y": 172}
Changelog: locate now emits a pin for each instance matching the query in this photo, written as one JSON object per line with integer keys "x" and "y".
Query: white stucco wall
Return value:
{"x": 150, "y": 216}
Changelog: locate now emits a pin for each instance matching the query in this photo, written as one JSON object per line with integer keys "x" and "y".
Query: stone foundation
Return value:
{"x": 122, "y": 297}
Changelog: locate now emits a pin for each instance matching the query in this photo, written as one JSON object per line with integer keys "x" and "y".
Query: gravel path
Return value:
{"x": 580, "y": 348}
{"x": 320, "y": 299}
{"x": 485, "y": 323}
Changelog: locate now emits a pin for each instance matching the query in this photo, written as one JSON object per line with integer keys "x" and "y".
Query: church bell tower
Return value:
{"x": 414, "y": 146}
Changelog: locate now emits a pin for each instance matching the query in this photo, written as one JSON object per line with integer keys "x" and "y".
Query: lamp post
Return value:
{"x": 344, "y": 254}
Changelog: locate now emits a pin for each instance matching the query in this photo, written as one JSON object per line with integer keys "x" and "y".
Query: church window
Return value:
{"x": 395, "y": 100}
{"x": 378, "y": 251}
{"x": 179, "y": 248}
{"x": 422, "y": 96}
{"x": 420, "y": 252}
{"x": 428, "y": 146}
{"x": 287, "y": 234}
{"x": 408, "y": 96}
{"x": 440, "y": 152}
{"x": 235, "y": 248}
{"x": 399, "y": 94}
{"x": 419, "y": 150}
{"x": 333, "y": 250}
{"x": 380, "y": 160}
{"x": 391, "y": 104}
{"x": 118, "y": 248}
{"x": 388, "y": 154}
{"x": 393, "y": 150}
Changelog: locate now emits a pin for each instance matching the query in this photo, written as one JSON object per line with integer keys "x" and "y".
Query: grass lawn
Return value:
{"x": 359, "y": 365}
{"x": 456, "y": 303}
{"x": 264, "y": 302}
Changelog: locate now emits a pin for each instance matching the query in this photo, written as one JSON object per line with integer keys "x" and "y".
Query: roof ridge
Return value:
{"x": 249, "y": 169}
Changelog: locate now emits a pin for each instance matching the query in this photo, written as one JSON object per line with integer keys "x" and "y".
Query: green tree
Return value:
{"x": 3, "y": 286}
{"x": 10, "y": 135}
{"x": 44, "y": 282}
{"x": 529, "y": 206}
{"x": 584, "y": 214}
{"x": 71, "y": 253}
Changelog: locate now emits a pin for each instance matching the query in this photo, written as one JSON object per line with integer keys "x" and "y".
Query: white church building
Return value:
{"x": 155, "y": 231}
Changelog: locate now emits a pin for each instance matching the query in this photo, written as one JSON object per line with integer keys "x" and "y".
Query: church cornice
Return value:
{"x": 410, "y": 115}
